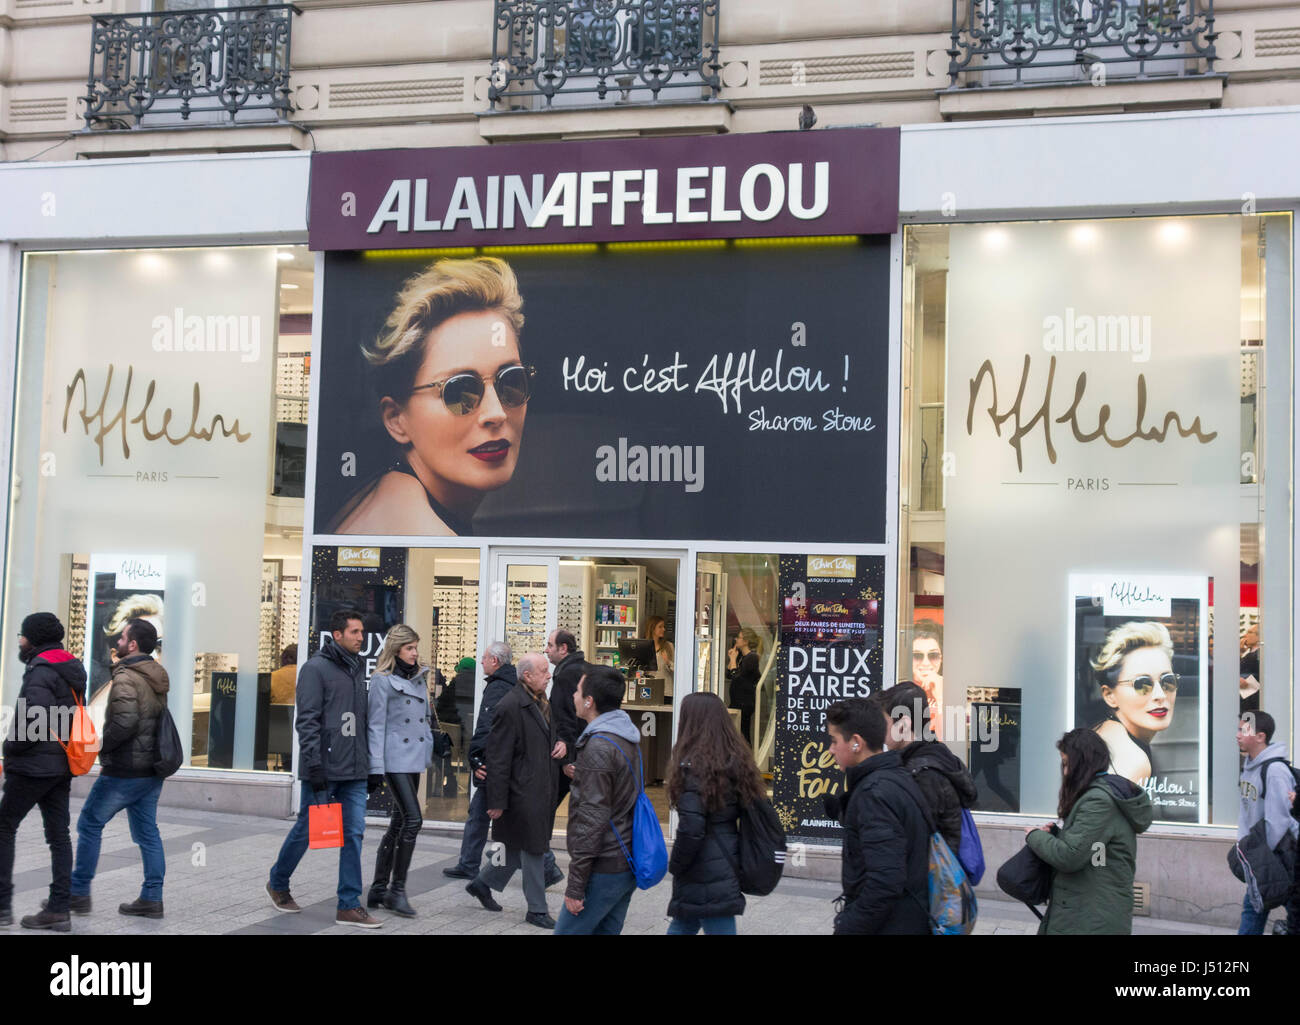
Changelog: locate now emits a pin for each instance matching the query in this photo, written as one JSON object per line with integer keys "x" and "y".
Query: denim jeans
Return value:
{"x": 1252, "y": 921}
{"x": 604, "y": 906}
{"x": 475, "y": 837}
{"x": 722, "y": 926}
{"x": 352, "y": 795}
{"x": 109, "y": 795}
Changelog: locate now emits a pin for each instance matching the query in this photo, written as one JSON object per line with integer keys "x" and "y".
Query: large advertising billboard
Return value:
{"x": 718, "y": 389}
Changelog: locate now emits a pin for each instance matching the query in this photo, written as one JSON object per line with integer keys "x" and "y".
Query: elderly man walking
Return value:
{"x": 523, "y": 754}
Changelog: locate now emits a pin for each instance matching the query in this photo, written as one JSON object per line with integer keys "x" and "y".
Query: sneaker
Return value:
{"x": 456, "y": 872}
{"x": 554, "y": 877}
{"x": 282, "y": 900}
{"x": 540, "y": 919}
{"x": 483, "y": 895}
{"x": 59, "y": 921}
{"x": 78, "y": 904}
{"x": 359, "y": 917}
{"x": 141, "y": 908}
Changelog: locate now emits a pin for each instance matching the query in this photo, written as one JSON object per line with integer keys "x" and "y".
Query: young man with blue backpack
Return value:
{"x": 612, "y": 842}
{"x": 943, "y": 780}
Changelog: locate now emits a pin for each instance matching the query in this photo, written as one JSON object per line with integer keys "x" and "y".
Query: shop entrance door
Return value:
{"x": 710, "y": 627}
{"x": 521, "y": 601}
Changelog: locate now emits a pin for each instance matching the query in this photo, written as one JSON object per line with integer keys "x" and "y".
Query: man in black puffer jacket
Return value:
{"x": 36, "y": 771}
{"x": 885, "y": 865}
{"x": 126, "y": 781}
{"x": 940, "y": 775}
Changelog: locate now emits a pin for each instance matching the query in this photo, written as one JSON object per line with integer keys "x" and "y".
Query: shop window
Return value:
{"x": 162, "y": 398}
{"x": 1091, "y": 465}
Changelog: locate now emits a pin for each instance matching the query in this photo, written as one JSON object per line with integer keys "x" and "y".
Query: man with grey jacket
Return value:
{"x": 1266, "y": 787}
{"x": 334, "y": 764}
{"x": 602, "y": 800}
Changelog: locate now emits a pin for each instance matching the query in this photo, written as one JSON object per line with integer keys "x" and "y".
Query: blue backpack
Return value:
{"x": 648, "y": 858}
{"x": 970, "y": 852}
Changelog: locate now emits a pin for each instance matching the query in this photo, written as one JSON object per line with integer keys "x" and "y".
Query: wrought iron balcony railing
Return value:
{"x": 224, "y": 60}
{"x": 1027, "y": 42}
{"x": 633, "y": 49}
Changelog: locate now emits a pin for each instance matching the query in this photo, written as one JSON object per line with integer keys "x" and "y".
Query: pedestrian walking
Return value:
{"x": 36, "y": 771}
{"x": 1266, "y": 785}
{"x": 127, "y": 780}
{"x": 334, "y": 754}
{"x": 401, "y": 749}
{"x": 885, "y": 862}
{"x": 570, "y": 664}
{"x": 522, "y": 765}
{"x": 939, "y": 774}
{"x": 606, "y": 781}
{"x": 501, "y": 680}
{"x": 1094, "y": 852}
{"x": 711, "y": 776}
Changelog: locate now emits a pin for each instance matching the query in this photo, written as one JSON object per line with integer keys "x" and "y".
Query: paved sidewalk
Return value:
{"x": 217, "y": 867}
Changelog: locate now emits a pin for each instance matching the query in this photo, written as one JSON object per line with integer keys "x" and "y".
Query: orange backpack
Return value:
{"x": 83, "y": 746}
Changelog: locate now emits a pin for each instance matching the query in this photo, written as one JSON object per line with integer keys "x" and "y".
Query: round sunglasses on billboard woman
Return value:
{"x": 1138, "y": 684}
{"x": 453, "y": 394}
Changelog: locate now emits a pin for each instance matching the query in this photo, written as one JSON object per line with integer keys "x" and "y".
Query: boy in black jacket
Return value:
{"x": 886, "y": 858}
{"x": 939, "y": 774}
{"x": 36, "y": 772}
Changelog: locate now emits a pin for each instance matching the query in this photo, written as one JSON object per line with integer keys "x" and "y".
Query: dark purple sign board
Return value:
{"x": 829, "y": 182}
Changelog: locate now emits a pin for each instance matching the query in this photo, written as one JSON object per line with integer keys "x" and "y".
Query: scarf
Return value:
{"x": 542, "y": 703}
{"x": 403, "y": 670}
{"x": 353, "y": 662}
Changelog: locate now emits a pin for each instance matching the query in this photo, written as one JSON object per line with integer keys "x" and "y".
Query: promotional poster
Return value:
{"x": 1137, "y": 647}
{"x": 831, "y": 649}
{"x": 607, "y": 393}
{"x": 122, "y": 587}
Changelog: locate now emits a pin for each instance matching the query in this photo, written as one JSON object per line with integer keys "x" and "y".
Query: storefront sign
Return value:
{"x": 831, "y": 649}
{"x": 1138, "y": 682}
{"x": 221, "y": 720}
{"x": 703, "y": 392}
{"x": 829, "y": 182}
{"x": 827, "y": 567}
{"x": 993, "y": 747}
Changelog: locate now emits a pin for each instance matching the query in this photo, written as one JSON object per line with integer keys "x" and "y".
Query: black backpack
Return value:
{"x": 169, "y": 754}
{"x": 762, "y": 848}
{"x": 1263, "y": 775}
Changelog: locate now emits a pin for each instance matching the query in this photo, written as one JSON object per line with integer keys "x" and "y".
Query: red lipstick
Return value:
{"x": 491, "y": 451}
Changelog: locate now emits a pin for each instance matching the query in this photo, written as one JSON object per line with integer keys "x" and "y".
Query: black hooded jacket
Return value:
{"x": 945, "y": 784}
{"x": 706, "y": 857}
{"x": 885, "y": 866}
{"x": 49, "y": 681}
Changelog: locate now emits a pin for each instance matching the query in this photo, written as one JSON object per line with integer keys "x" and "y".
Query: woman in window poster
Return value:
{"x": 453, "y": 395}
{"x": 1137, "y": 685}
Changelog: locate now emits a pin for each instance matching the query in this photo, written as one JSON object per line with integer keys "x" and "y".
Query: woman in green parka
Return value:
{"x": 1095, "y": 852}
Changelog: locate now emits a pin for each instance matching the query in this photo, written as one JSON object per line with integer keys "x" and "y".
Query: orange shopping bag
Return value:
{"x": 325, "y": 826}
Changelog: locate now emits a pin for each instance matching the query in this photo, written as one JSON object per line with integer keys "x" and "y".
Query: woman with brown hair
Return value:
{"x": 656, "y": 629}
{"x": 711, "y": 776}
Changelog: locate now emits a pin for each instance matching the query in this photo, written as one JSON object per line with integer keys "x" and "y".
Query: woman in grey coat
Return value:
{"x": 400, "y": 736}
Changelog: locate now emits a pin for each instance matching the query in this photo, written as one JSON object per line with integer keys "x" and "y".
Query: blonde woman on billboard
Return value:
{"x": 453, "y": 393}
{"x": 1138, "y": 682}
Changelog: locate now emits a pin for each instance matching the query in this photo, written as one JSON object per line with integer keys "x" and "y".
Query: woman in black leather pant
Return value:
{"x": 400, "y": 740}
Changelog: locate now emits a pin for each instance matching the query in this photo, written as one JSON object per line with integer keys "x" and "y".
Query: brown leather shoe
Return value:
{"x": 59, "y": 921}
{"x": 282, "y": 900}
{"x": 358, "y": 917}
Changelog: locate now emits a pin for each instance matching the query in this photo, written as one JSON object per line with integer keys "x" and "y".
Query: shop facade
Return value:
{"x": 896, "y": 418}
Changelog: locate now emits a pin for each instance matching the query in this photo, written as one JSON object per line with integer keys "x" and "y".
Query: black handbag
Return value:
{"x": 442, "y": 745}
{"x": 1027, "y": 877}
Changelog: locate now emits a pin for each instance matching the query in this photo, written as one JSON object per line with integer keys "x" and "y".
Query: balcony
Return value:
{"x": 1157, "y": 53}
{"x": 551, "y": 55}
{"x": 201, "y": 67}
